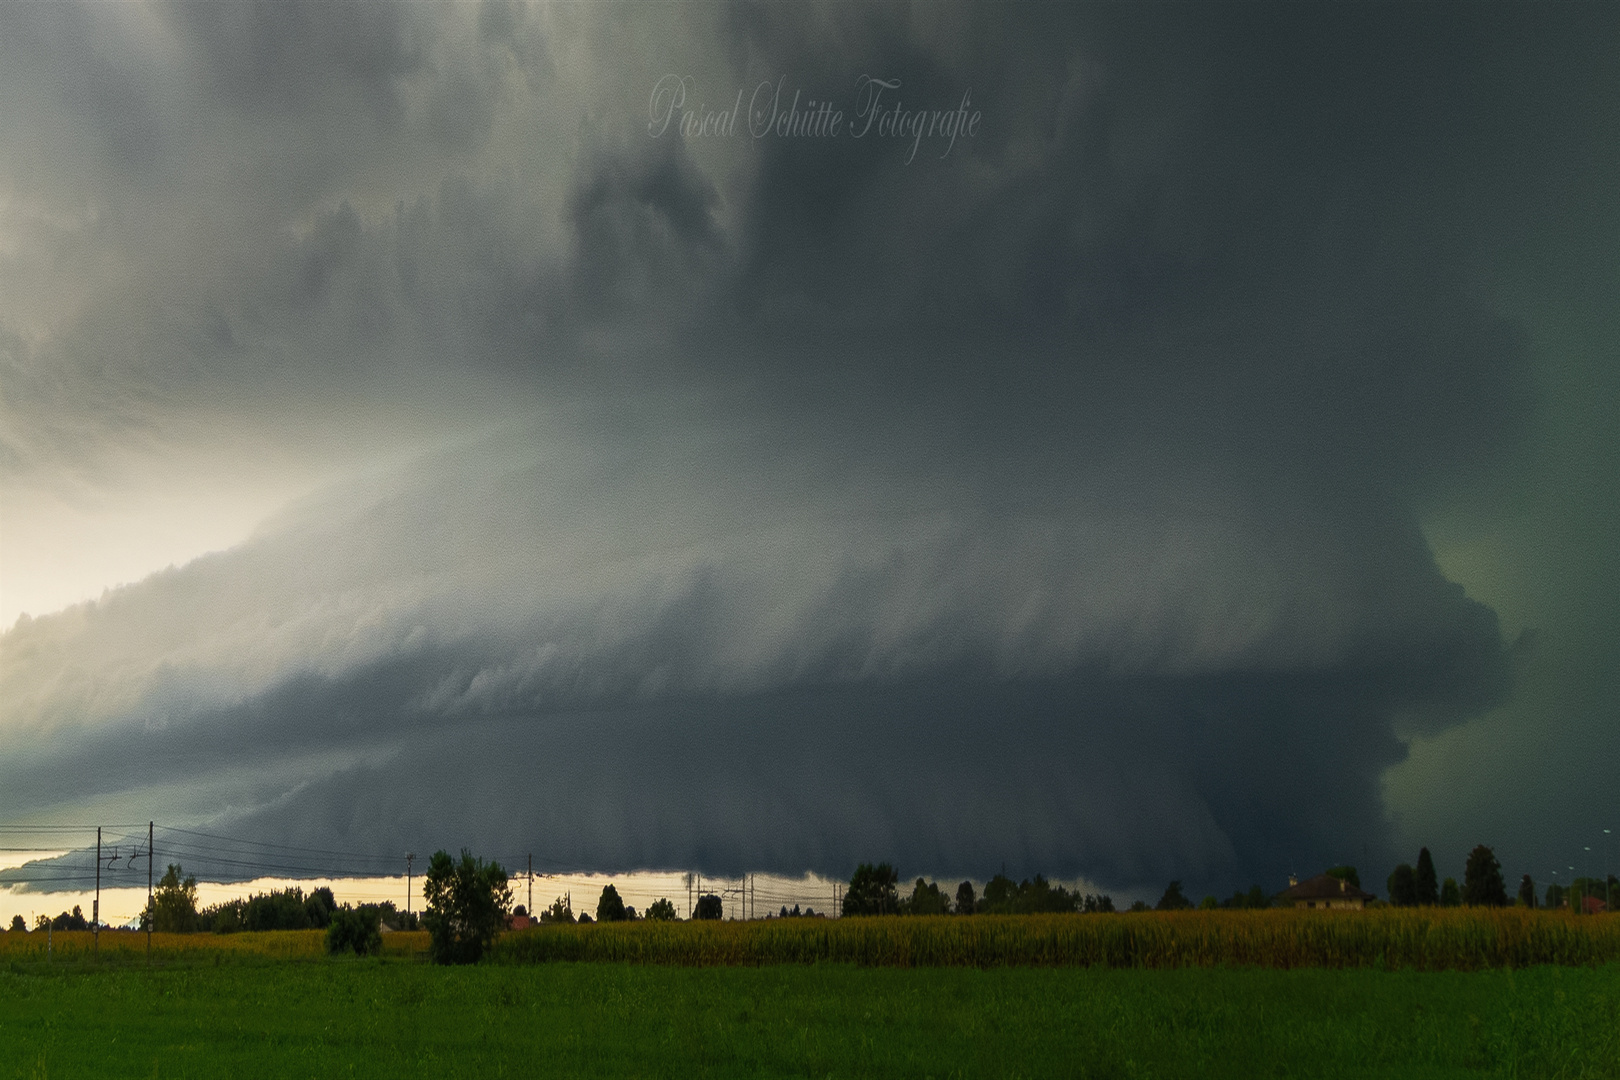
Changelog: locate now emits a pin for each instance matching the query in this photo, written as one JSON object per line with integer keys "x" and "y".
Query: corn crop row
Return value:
{"x": 1428, "y": 940}
{"x": 123, "y": 945}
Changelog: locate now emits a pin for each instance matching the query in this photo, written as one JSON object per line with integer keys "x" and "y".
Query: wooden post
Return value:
{"x": 151, "y": 912}
{"x": 95, "y": 909}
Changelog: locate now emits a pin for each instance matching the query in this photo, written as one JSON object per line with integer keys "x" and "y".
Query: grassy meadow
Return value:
{"x": 388, "y": 1018}
{"x": 1210, "y": 994}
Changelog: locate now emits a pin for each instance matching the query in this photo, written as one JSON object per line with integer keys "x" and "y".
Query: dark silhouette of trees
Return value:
{"x": 872, "y": 891}
{"x": 467, "y": 904}
{"x": 1450, "y": 896}
{"x": 661, "y": 910}
{"x": 926, "y": 899}
{"x": 1403, "y": 886}
{"x": 708, "y": 907}
{"x": 71, "y": 921}
{"x": 1428, "y": 888}
{"x": 1173, "y": 900}
{"x": 1527, "y": 892}
{"x": 1482, "y": 879}
{"x": 610, "y": 908}
{"x": 17, "y": 923}
{"x": 560, "y": 911}
{"x": 965, "y": 900}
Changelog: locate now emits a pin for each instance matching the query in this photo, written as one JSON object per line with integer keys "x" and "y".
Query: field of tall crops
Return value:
{"x": 1430, "y": 939}
{"x": 120, "y": 946}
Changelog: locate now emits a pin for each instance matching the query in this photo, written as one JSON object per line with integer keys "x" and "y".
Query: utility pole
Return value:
{"x": 410, "y": 857}
{"x": 531, "y": 885}
{"x": 151, "y": 912}
{"x": 95, "y": 909}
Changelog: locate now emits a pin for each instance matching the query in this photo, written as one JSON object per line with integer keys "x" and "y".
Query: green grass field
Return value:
{"x": 252, "y": 1017}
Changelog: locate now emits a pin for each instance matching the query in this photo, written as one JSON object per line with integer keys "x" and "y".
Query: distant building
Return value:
{"x": 1325, "y": 891}
{"x": 518, "y": 922}
{"x": 1591, "y": 905}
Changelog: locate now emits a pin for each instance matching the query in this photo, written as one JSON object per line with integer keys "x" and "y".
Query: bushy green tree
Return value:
{"x": 1555, "y": 896}
{"x": 610, "y": 908}
{"x": 1450, "y": 896}
{"x": 1428, "y": 886}
{"x": 661, "y": 910}
{"x": 873, "y": 891}
{"x": 708, "y": 907}
{"x": 560, "y": 911}
{"x": 1527, "y": 892}
{"x": 1403, "y": 886}
{"x": 173, "y": 908}
{"x": 1258, "y": 897}
{"x": 467, "y": 904}
{"x": 319, "y": 907}
{"x": 17, "y": 923}
{"x": 355, "y": 930}
{"x": 1482, "y": 880}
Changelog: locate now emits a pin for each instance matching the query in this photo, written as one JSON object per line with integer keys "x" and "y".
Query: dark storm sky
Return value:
{"x": 1204, "y": 469}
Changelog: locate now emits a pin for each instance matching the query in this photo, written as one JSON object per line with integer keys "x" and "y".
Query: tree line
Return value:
{"x": 1484, "y": 886}
{"x": 874, "y": 890}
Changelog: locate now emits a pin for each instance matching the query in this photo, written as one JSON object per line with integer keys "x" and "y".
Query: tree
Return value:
{"x": 1209, "y": 903}
{"x": 1403, "y": 886}
{"x": 173, "y": 909}
{"x": 75, "y": 921}
{"x": 610, "y": 908}
{"x": 319, "y": 907}
{"x": 1172, "y": 900}
{"x": 1482, "y": 880}
{"x": 1449, "y": 896}
{"x": 1555, "y": 896}
{"x": 708, "y": 907}
{"x": 1527, "y": 892}
{"x": 560, "y": 911}
{"x": 355, "y": 930}
{"x": 1258, "y": 897}
{"x": 872, "y": 891}
{"x": 964, "y": 898}
{"x": 926, "y": 899}
{"x": 661, "y": 910}
{"x": 467, "y": 903}
{"x": 1428, "y": 888}
{"x": 17, "y": 923}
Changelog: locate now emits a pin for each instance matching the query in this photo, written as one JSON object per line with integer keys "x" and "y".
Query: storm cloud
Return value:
{"x": 764, "y": 503}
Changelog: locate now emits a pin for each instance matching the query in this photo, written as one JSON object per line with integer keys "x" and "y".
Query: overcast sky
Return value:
{"x": 1194, "y": 456}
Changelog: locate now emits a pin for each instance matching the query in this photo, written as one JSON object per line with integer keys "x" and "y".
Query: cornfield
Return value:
{"x": 1428, "y": 939}
{"x": 1424, "y": 939}
{"x": 125, "y": 945}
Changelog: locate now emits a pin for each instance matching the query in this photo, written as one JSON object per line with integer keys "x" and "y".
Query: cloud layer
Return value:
{"x": 765, "y": 503}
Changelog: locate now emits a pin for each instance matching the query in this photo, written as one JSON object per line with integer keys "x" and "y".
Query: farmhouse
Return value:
{"x": 1324, "y": 891}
